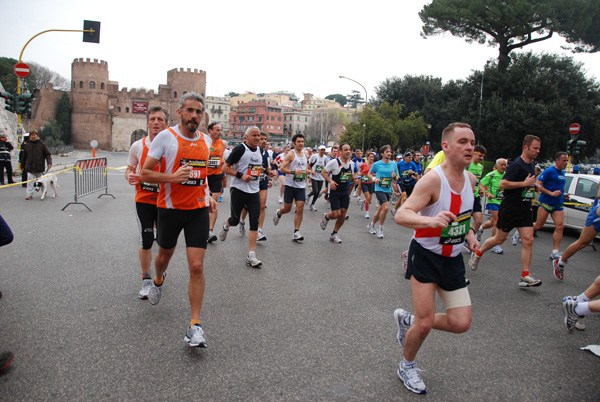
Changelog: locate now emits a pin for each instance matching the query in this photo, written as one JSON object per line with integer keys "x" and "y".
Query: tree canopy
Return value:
{"x": 339, "y": 98}
{"x": 513, "y": 24}
{"x": 40, "y": 76}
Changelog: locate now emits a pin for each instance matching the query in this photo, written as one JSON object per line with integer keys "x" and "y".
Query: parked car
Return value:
{"x": 582, "y": 190}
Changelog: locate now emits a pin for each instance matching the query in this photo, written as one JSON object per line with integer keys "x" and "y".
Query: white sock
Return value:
{"x": 561, "y": 262}
{"x": 583, "y": 298}
{"x": 251, "y": 254}
{"x": 554, "y": 251}
{"x": 582, "y": 309}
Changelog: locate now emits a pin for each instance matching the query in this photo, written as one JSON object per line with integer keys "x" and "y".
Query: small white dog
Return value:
{"x": 44, "y": 182}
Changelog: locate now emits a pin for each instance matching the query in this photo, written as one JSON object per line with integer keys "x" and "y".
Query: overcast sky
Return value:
{"x": 258, "y": 46}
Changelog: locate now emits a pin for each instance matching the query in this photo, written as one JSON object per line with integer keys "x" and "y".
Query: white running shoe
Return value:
{"x": 516, "y": 239}
{"x": 312, "y": 208}
{"x": 146, "y": 285}
{"x": 223, "y": 233}
{"x": 379, "y": 232}
{"x": 393, "y": 212}
{"x": 195, "y": 336}
{"x": 529, "y": 281}
{"x": 324, "y": 222}
{"x": 243, "y": 228}
{"x": 409, "y": 374}
{"x": 155, "y": 292}
{"x": 362, "y": 204}
{"x": 402, "y": 318}
{"x": 474, "y": 261}
{"x": 297, "y": 237}
{"x": 497, "y": 250}
{"x": 261, "y": 236}
{"x": 367, "y": 215}
{"x": 281, "y": 200}
{"x": 479, "y": 234}
{"x": 276, "y": 218}
{"x": 371, "y": 228}
{"x": 253, "y": 262}
{"x": 555, "y": 255}
{"x": 354, "y": 194}
{"x": 334, "y": 238}
{"x": 211, "y": 236}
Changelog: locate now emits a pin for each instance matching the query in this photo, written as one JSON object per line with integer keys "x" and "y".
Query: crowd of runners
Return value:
{"x": 180, "y": 175}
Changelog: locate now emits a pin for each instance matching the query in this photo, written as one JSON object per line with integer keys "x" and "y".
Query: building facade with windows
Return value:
{"x": 219, "y": 110}
{"x": 267, "y": 115}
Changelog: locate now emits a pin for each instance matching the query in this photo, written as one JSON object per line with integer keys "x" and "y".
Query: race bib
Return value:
{"x": 365, "y": 179}
{"x": 254, "y": 171}
{"x": 528, "y": 194}
{"x": 385, "y": 182}
{"x": 319, "y": 169}
{"x": 500, "y": 194}
{"x": 456, "y": 232}
{"x": 345, "y": 177}
{"x": 198, "y": 173}
{"x": 300, "y": 177}
{"x": 214, "y": 162}
{"x": 150, "y": 187}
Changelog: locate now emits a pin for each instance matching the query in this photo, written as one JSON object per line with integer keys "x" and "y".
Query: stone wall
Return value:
{"x": 123, "y": 127}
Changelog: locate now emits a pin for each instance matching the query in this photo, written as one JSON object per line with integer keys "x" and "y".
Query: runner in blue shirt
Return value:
{"x": 384, "y": 173}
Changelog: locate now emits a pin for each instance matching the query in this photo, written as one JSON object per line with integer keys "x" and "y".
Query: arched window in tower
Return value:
{"x": 80, "y": 84}
{"x": 92, "y": 85}
{"x": 175, "y": 94}
{"x": 126, "y": 110}
{"x": 102, "y": 86}
{"x": 119, "y": 109}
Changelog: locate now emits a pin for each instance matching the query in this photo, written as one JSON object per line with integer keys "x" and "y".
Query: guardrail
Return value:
{"x": 90, "y": 177}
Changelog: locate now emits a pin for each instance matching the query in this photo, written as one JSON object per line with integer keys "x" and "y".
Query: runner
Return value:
{"x": 515, "y": 209}
{"x": 358, "y": 161}
{"x": 338, "y": 174}
{"x": 146, "y": 194}
{"x": 183, "y": 203}
{"x": 366, "y": 183}
{"x": 317, "y": 163}
{"x": 439, "y": 210}
{"x": 278, "y": 161}
{"x": 245, "y": 165}
{"x": 477, "y": 169}
{"x": 407, "y": 176}
{"x": 551, "y": 184}
{"x": 294, "y": 168}
{"x": 383, "y": 173}
{"x": 494, "y": 195}
{"x": 264, "y": 184}
{"x": 575, "y": 308}
{"x": 589, "y": 232}
{"x": 215, "y": 173}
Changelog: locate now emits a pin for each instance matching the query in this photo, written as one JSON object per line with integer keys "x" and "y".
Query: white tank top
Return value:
{"x": 251, "y": 164}
{"x": 448, "y": 241}
{"x": 299, "y": 162}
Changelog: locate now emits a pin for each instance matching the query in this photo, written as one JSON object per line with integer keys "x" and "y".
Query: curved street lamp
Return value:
{"x": 364, "y": 112}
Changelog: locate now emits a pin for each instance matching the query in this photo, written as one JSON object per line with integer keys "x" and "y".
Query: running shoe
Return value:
{"x": 379, "y": 232}
{"x": 276, "y": 218}
{"x": 324, "y": 222}
{"x": 516, "y": 239}
{"x": 580, "y": 325}
{"x": 404, "y": 256}
{"x": 354, "y": 194}
{"x": 6, "y": 359}
{"x": 261, "y": 236}
{"x": 570, "y": 316}
{"x": 312, "y": 208}
{"x": 253, "y": 262}
{"x": 367, "y": 215}
{"x": 393, "y": 212}
{"x": 211, "y": 236}
{"x": 479, "y": 234}
{"x": 146, "y": 285}
{"x": 334, "y": 238}
{"x": 497, "y": 250}
{"x": 220, "y": 198}
{"x": 223, "y": 233}
{"x": 347, "y": 217}
{"x": 195, "y": 336}
{"x": 243, "y": 228}
{"x": 559, "y": 271}
{"x": 554, "y": 255}
{"x": 297, "y": 236}
{"x": 362, "y": 205}
{"x": 474, "y": 261}
{"x": 466, "y": 245}
{"x": 402, "y": 318}
{"x": 529, "y": 281}
{"x": 155, "y": 292}
{"x": 371, "y": 228}
{"x": 280, "y": 200}
{"x": 409, "y": 374}
{"x": 359, "y": 200}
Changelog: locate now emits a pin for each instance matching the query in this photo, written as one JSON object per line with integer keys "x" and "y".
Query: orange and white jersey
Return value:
{"x": 215, "y": 159}
{"x": 448, "y": 241}
{"x": 146, "y": 193}
{"x": 174, "y": 150}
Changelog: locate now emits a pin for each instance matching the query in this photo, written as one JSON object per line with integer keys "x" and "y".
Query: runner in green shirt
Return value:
{"x": 494, "y": 195}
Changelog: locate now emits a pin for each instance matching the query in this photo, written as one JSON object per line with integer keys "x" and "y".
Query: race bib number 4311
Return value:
{"x": 198, "y": 173}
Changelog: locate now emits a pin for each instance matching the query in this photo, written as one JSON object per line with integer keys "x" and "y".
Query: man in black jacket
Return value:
{"x": 5, "y": 148}
{"x": 35, "y": 155}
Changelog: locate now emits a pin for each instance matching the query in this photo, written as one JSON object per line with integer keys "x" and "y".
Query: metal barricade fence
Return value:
{"x": 90, "y": 177}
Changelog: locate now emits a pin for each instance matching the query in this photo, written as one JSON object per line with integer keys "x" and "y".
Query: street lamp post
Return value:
{"x": 364, "y": 112}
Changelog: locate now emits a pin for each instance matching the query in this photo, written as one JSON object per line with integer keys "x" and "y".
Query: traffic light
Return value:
{"x": 10, "y": 101}
{"x": 20, "y": 104}
{"x": 27, "y": 99}
{"x": 92, "y": 37}
{"x": 570, "y": 145}
{"x": 576, "y": 147}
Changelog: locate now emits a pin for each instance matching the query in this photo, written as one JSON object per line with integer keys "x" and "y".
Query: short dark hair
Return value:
{"x": 481, "y": 149}
{"x": 157, "y": 108}
{"x": 559, "y": 154}
{"x": 214, "y": 123}
{"x": 528, "y": 140}
{"x": 384, "y": 148}
{"x": 296, "y": 136}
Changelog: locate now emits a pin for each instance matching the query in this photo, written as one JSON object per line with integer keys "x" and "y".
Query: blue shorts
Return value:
{"x": 593, "y": 219}
{"x": 552, "y": 208}
{"x": 492, "y": 207}
{"x": 263, "y": 184}
{"x": 293, "y": 193}
{"x": 339, "y": 201}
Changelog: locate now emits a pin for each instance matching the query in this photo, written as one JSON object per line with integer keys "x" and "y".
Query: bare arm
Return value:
{"x": 148, "y": 174}
{"x": 509, "y": 185}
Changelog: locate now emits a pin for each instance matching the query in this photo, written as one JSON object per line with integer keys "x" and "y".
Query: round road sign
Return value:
{"x": 22, "y": 70}
{"x": 574, "y": 128}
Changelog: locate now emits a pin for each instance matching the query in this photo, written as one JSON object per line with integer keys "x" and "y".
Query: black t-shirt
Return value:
{"x": 518, "y": 170}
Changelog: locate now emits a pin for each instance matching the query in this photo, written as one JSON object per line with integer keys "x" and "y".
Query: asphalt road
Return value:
{"x": 315, "y": 323}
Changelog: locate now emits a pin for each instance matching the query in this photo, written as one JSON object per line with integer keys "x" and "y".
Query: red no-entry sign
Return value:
{"x": 574, "y": 128}
{"x": 22, "y": 70}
